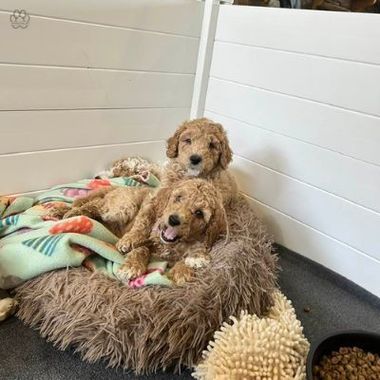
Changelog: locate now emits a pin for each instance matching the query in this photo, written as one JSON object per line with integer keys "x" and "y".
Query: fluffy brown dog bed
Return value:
{"x": 154, "y": 327}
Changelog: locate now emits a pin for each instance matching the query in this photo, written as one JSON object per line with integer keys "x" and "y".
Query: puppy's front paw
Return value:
{"x": 7, "y": 308}
{"x": 72, "y": 212}
{"x": 124, "y": 245}
{"x": 128, "y": 242}
{"x": 57, "y": 212}
{"x": 131, "y": 269}
{"x": 181, "y": 274}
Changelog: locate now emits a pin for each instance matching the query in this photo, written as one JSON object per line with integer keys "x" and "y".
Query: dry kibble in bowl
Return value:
{"x": 348, "y": 363}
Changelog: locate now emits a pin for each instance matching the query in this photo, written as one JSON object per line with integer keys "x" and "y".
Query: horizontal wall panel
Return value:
{"x": 23, "y": 131}
{"x": 316, "y": 166}
{"x": 348, "y": 262}
{"x": 350, "y": 133}
{"x": 342, "y": 83}
{"x": 29, "y": 87}
{"x": 62, "y": 43}
{"x": 41, "y": 170}
{"x": 170, "y": 16}
{"x": 332, "y": 34}
{"x": 340, "y": 219}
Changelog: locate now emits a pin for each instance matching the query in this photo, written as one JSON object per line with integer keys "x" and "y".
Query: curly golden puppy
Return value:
{"x": 113, "y": 206}
{"x": 198, "y": 148}
{"x": 183, "y": 222}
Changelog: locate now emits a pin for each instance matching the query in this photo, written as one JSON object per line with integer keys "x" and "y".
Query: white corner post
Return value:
{"x": 206, "y": 44}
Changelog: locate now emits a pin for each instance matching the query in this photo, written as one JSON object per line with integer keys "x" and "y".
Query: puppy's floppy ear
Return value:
{"x": 172, "y": 143}
{"x": 217, "y": 225}
{"x": 225, "y": 150}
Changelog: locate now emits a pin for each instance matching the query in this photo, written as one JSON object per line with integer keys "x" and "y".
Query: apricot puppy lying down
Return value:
{"x": 183, "y": 222}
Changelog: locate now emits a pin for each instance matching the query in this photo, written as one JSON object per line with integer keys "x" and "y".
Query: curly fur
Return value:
{"x": 201, "y": 133}
{"x": 208, "y": 140}
{"x": 200, "y": 214}
{"x": 129, "y": 212}
{"x": 155, "y": 328}
{"x": 132, "y": 167}
{"x": 201, "y": 137}
{"x": 115, "y": 207}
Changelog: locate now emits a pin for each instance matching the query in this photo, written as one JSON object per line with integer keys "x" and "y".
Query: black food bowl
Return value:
{"x": 365, "y": 340}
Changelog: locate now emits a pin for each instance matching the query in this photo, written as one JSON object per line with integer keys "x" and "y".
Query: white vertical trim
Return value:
{"x": 209, "y": 22}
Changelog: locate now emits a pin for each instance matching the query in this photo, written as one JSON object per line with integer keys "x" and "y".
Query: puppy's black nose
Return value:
{"x": 174, "y": 220}
{"x": 195, "y": 159}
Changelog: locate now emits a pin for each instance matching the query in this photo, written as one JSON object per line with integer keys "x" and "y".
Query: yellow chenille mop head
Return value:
{"x": 269, "y": 348}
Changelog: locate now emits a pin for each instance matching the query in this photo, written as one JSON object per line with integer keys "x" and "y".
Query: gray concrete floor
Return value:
{"x": 334, "y": 304}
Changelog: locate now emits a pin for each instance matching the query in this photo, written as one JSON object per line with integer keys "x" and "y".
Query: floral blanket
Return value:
{"x": 31, "y": 243}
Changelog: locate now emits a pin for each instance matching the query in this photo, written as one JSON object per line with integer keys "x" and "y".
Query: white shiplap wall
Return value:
{"x": 89, "y": 81}
{"x": 298, "y": 93}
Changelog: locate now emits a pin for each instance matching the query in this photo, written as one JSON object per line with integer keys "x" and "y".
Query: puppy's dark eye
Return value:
{"x": 212, "y": 145}
{"x": 187, "y": 141}
{"x": 198, "y": 213}
{"x": 177, "y": 198}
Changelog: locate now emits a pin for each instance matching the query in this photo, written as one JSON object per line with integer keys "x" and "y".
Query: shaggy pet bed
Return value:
{"x": 154, "y": 327}
{"x": 272, "y": 347}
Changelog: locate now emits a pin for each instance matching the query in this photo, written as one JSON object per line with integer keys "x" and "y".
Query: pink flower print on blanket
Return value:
{"x": 139, "y": 282}
{"x": 75, "y": 193}
{"x": 94, "y": 184}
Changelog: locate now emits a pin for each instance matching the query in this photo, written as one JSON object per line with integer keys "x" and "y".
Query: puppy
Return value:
{"x": 182, "y": 223}
{"x": 113, "y": 206}
{"x": 198, "y": 148}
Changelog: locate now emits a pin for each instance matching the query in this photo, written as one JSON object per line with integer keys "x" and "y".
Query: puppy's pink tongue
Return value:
{"x": 170, "y": 233}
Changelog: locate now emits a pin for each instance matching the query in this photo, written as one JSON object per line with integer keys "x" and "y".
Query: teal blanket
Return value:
{"x": 31, "y": 243}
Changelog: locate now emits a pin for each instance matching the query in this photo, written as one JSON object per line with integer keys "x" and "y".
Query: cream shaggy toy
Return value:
{"x": 7, "y": 308}
{"x": 271, "y": 348}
